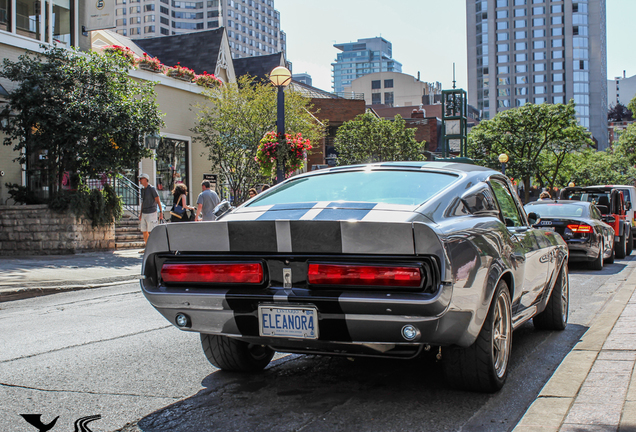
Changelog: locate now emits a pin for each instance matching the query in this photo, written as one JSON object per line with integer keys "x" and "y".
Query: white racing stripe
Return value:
{"x": 315, "y": 210}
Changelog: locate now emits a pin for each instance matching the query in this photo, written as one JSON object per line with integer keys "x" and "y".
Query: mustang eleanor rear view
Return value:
{"x": 381, "y": 260}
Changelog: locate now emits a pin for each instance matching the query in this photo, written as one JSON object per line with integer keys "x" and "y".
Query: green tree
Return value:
{"x": 368, "y": 139}
{"x": 81, "y": 110}
{"x": 632, "y": 107}
{"x": 538, "y": 139}
{"x": 235, "y": 119}
{"x": 604, "y": 167}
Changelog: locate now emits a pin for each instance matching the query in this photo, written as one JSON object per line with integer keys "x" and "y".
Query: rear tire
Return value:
{"x": 555, "y": 315}
{"x": 234, "y": 355}
{"x": 483, "y": 366}
{"x": 621, "y": 247}
{"x": 630, "y": 242}
{"x": 610, "y": 260}
{"x": 597, "y": 264}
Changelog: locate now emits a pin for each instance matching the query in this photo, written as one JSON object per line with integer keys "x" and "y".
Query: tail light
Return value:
{"x": 580, "y": 229}
{"x": 365, "y": 275}
{"x": 245, "y": 273}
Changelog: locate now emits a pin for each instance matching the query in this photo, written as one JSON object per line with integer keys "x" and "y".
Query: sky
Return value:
{"x": 428, "y": 36}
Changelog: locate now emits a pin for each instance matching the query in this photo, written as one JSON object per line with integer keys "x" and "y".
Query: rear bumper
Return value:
{"x": 582, "y": 250}
{"x": 345, "y": 318}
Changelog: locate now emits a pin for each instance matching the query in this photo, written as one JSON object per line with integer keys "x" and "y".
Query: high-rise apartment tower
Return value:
{"x": 361, "y": 58}
{"x": 253, "y": 26}
{"x": 539, "y": 51}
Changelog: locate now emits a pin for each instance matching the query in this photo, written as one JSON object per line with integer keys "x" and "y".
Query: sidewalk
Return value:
{"x": 594, "y": 387}
{"x": 30, "y": 276}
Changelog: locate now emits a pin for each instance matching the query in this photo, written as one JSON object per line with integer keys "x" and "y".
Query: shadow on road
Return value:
{"x": 317, "y": 393}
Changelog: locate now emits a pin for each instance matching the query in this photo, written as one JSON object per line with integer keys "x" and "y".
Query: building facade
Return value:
{"x": 395, "y": 89}
{"x": 361, "y": 58}
{"x": 539, "y": 51}
{"x": 621, "y": 90}
{"x": 253, "y": 26}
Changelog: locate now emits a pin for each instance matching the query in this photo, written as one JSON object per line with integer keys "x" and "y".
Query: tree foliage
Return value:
{"x": 632, "y": 107}
{"x": 538, "y": 139}
{"x": 368, "y": 139}
{"x": 81, "y": 111}
{"x": 619, "y": 112}
{"x": 604, "y": 167}
{"x": 235, "y": 119}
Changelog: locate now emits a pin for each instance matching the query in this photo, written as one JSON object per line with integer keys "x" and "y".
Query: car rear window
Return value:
{"x": 558, "y": 210}
{"x": 373, "y": 186}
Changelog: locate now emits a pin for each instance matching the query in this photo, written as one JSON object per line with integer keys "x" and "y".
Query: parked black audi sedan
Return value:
{"x": 580, "y": 225}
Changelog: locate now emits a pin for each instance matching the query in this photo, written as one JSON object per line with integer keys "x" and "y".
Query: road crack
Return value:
{"x": 88, "y": 392}
{"x": 86, "y": 344}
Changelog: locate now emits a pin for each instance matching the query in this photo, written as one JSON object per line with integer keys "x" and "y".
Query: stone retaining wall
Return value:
{"x": 37, "y": 230}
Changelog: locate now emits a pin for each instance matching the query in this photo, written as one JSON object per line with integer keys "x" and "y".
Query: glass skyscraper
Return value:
{"x": 253, "y": 26}
{"x": 361, "y": 58}
{"x": 539, "y": 51}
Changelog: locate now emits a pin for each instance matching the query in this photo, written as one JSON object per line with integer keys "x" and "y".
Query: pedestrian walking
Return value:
{"x": 179, "y": 204}
{"x": 206, "y": 202}
{"x": 252, "y": 192}
{"x": 545, "y": 196}
{"x": 149, "y": 202}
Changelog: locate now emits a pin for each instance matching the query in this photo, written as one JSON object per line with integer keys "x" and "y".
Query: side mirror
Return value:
{"x": 610, "y": 219}
{"x": 222, "y": 208}
{"x": 628, "y": 205}
{"x": 533, "y": 218}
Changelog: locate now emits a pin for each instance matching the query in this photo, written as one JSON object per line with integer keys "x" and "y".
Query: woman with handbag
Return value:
{"x": 179, "y": 205}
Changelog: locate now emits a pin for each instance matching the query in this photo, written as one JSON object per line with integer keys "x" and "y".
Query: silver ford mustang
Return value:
{"x": 388, "y": 259}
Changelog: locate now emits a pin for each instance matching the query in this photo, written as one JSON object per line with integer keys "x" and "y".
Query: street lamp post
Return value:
{"x": 503, "y": 158}
{"x": 280, "y": 77}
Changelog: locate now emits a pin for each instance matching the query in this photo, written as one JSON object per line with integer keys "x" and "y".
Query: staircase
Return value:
{"x": 128, "y": 235}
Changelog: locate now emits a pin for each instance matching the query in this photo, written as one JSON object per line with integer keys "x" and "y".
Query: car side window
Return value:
{"x": 595, "y": 213}
{"x": 507, "y": 205}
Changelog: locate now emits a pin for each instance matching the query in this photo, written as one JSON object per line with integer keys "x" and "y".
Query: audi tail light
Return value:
{"x": 580, "y": 229}
{"x": 239, "y": 273}
{"x": 364, "y": 275}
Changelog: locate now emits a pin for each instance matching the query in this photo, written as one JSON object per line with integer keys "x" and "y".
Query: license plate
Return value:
{"x": 288, "y": 322}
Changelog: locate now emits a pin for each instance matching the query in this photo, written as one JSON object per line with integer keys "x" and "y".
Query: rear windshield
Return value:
{"x": 558, "y": 210}
{"x": 373, "y": 186}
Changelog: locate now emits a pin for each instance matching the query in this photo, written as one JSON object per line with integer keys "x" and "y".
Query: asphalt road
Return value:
{"x": 107, "y": 352}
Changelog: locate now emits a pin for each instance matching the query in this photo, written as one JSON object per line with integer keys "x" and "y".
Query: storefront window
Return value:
{"x": 28, "y": 18}
{"x": 172, "y": 167}
{"x": 5, "y": 15}
{"x": 62, "y": 21}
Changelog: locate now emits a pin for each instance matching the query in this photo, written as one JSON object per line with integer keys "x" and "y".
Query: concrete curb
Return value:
{"x": 549, "y": 411}
{"x": 12, "y": 294}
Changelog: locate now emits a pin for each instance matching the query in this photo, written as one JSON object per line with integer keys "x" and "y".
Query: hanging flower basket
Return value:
{"x": 151, "y": 64}
{"x": 207, "y": 80}
{"x": 291, "y": 150}
{"x": 122, "y": 51}
{"x": 180, "y": 72}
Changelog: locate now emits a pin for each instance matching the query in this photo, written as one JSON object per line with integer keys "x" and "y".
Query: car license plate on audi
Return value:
{"x": 288, "y": 322}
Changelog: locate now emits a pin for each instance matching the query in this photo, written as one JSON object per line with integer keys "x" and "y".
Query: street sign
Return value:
{"x": 212, "y": 178}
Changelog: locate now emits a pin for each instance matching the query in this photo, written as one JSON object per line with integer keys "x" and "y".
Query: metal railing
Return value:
{"x": 126, "y": 189}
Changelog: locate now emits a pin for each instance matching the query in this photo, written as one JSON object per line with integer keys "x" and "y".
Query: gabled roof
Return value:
{"x": 198, "y": 51}
{"x": 311, "y": 91}
{"x": 258, "y": 66}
